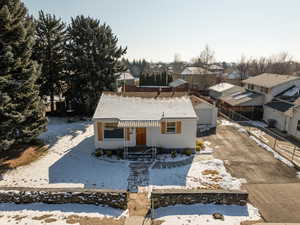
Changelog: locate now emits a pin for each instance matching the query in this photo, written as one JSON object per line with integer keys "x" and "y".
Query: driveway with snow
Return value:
{"x": 69, "y": 162}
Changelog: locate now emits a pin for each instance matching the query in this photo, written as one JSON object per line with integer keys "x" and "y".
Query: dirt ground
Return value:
{"x": 273, "y": 187}
{"x": 245, "y": 159}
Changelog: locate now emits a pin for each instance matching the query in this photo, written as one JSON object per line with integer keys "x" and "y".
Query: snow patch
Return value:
{"x": 202, "y": 214}
{"x": 191, "y": 176}
{"x": 269, "y": 149}
{"x": 69, "y": 162}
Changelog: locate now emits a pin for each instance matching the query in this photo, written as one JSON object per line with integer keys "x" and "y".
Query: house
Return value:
{"x": 235, "y": 98}
{"x": 125, "y": 78}
{"x": 198, "y": 77}
{"x": 271, "y": 85}
{"x": 283, "y": 112}
{"x": 223, "y": 89}
{"x": 179, "y": 85}
{"x": 131, "y": 120}
{"x": 206, "y": 112}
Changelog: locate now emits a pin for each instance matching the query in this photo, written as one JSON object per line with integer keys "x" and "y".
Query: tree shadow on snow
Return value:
{"x": 173, "y": 176}
{"x": 59, "y": 127}
{"x": 78, "y": 166}
{"x": 202, "y": 209}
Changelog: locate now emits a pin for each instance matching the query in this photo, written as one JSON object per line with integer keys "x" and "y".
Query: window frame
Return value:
{"x": 110, "y": 127}
{"x": 172, "y": 126}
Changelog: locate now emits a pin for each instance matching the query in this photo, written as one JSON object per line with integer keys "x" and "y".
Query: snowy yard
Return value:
{"x": 56, "y": 214}
{"x": 202, "y": 214}
{"x": 69, "y": 162}
{"x": 204, "y": 174}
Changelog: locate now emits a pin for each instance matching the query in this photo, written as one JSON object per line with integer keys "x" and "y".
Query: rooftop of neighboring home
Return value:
{"x": 195, "y": 70}
{"x": 242, "y": 98}
{"x": 144, "y": 107}
{"x": 125, "y": 76}
{"x": 281, "y": 106}
{"x": 269, "y": 80}
{"x": 286, "y": 101}
{"x": 221, "y": 87}
{"x": 177, "y": 83}
{"x": 197, "y": 101}
{"x": 215, "y": 67}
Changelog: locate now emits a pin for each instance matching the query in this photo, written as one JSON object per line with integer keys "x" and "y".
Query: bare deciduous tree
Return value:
{"x": 207, "y": 57}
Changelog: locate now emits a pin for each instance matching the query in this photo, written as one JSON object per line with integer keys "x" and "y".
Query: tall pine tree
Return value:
{"x": 49, "y": 52}
{"x": 21, "y": 109}
{"x": 93, "y": 59}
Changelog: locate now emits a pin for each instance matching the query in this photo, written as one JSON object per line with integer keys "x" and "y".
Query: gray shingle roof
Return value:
{"x": 270, "y": 80}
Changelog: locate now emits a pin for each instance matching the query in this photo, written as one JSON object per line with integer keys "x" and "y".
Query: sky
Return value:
{"x": 158, "y": 29}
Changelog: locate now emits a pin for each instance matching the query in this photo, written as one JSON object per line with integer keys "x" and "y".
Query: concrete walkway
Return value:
{"x": 138, "y": 208}
{"x": 138, "y": 175}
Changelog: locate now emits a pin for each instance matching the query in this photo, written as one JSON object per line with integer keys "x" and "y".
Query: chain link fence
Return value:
{"x": 284, "y": 146}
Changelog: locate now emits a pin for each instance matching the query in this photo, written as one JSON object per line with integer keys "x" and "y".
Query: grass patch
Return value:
{"x": 210, "y": 172}
{"x": 21, "y": 155}
{"x": 94, "y": 221}
{"x": 42, "y": 217}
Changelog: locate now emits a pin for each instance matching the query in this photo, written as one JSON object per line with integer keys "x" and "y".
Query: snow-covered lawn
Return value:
{"x": 202, "y": 214}
{"x": 68, "y": 162}
{"x": 55, "y": 214}
{"x": 206, "y": 174}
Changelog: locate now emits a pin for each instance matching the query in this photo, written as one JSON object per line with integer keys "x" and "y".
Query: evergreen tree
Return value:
{"x": 93, "y": 59}
{"x": 49, "y": 52}
{"x": 21, "y": 109}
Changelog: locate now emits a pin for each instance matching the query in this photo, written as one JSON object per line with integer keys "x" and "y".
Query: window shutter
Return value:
{"x": 127, "y": 134}
{"x": 163, "y": 127}
{"x": 178, "y": 127}
{"x": 100, "y": 131}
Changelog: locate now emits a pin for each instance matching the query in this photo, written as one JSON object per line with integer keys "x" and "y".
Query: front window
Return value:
{"x": 111, "y": 130}
{"x": 171, "y": 127}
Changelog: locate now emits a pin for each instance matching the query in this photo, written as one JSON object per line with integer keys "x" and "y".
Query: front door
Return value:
{"x": 141, "y": 136}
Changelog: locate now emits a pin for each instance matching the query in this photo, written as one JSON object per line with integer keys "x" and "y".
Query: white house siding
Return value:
{"x": 277, "y": 90}
{"x": 281, "y": 119}
{"x": 292, "y": 125}
{"x": 186, "y": 139}
{"x": 207, "y": 114}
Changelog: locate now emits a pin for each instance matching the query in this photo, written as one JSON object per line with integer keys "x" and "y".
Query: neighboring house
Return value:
{"x": 144, "y": 119}
{"x": 233, "y": 78}
{"x": 179, "y": 84}
{"x": 238, "y": 99}
{"x": 216, "y": 68}
{"x": 283, "y": 112}
{"x": 206, "y": 113}
{"x": 125, "y": 78}
{"x": 271, "y": 85}
{"x": 223, "y": 89}
{"x": 198, "y": 77}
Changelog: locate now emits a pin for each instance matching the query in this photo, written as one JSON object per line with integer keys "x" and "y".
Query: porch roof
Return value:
{"x": 139, "y": 123}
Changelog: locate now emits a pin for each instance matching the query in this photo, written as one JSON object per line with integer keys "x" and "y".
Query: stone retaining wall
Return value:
{"x": 163, "y": 198}
{"x": 112, "y": 198}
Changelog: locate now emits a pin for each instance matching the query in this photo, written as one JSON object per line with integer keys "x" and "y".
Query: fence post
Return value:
{"x": 294, "y": 153}
{"x": 275, "y": 143}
